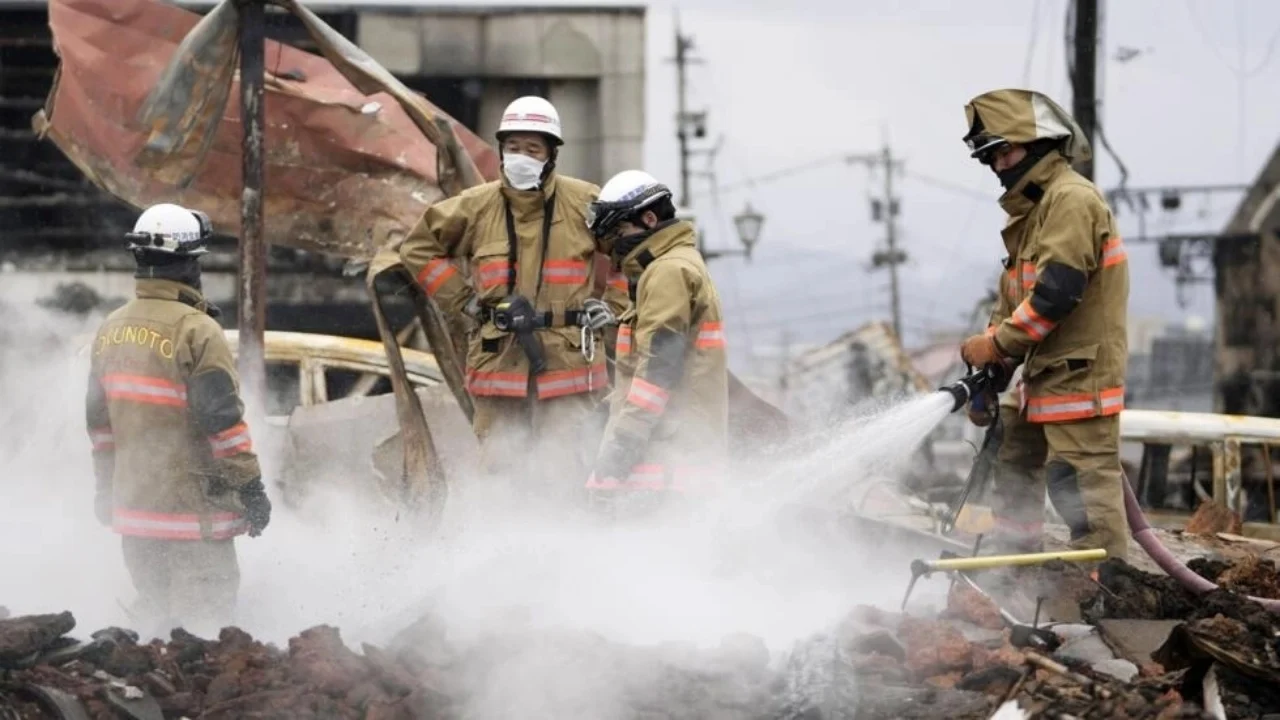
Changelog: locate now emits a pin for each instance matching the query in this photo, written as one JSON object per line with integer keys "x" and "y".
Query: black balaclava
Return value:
{"x": 1036, "y": 151}
{"x": 628, "y": 243}
{"x": 167, "y": 266}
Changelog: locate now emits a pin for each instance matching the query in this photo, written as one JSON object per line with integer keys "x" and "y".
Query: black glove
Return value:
{"x": 257, "y": 508}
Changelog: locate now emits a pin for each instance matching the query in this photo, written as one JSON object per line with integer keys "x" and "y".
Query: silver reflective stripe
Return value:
{"x": 1034, "y": 327}
{"x": 435, "y": 273}
{"x": 565, "y": 272}
{"x": 1055, "y": 408}
{"x": 175, "y": 528}
{"x": 239, "y": 438}
{"x": 711, "y": 336}
{"x": 144, "y": 389}
{"x": 647, "y": 396}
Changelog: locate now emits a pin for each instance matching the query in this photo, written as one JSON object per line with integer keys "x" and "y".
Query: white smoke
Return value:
{"x": 732, "y": 566}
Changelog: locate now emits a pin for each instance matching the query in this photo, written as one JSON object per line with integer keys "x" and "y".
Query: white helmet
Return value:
{"x": 173, "y": 229}
{"x": 531, "y": 114}
{"x": 625, "y": 195}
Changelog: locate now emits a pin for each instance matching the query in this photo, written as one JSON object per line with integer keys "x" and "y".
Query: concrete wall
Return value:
{"x": 591, "y": 61}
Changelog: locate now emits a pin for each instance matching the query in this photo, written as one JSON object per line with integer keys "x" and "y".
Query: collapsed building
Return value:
{"x": 60, "y": 231}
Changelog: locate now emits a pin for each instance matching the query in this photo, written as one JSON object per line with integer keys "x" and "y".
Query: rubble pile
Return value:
{"x": 44, "y": 673}
{"x": 1213, "y": 650}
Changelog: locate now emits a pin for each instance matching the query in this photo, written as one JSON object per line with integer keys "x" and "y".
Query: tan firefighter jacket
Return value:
{"x": 165, "y": 418}
{"x": 668, "y": 425}
{"x": 1064, "y": 295}
{"x": 462, "y": 248}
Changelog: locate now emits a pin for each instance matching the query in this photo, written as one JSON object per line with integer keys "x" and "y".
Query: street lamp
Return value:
{"x": 748, "y": 223}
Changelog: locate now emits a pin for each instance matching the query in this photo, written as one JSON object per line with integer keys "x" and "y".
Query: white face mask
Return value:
{"x": 522, "y": 171}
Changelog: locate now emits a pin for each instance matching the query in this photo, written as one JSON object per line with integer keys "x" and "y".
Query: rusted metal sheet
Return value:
{"x": 346, "y": 170}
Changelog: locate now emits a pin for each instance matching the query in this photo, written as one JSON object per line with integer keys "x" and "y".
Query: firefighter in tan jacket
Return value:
{"x": 177, "y": 477}
{"x": 515, "y": 256}
{"x": 1061, "y": 316}
{"x": 668, "y": 426}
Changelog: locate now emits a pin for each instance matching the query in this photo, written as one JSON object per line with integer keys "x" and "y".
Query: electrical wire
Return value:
{"x": 1272, "y": 43}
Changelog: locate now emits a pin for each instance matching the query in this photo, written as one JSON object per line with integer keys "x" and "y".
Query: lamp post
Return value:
{"x": 748, "y": 223}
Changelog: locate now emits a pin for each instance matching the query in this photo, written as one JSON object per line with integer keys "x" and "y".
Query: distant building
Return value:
{"x": 1246, "y": 261}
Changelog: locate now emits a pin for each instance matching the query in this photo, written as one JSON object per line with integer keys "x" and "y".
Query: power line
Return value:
{"x": 1272, "y": 43}
{"x": 955, "y": 188}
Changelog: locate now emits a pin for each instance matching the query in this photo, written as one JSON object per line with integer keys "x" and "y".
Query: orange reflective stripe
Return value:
{"x": 175, "y": 526}
{"x": 710, "y": 335}
{"x": 497, "y": 384}
{"x": 564, "y": 272}
{"x": 624, "y": 340}
{"x": 492, "y": 274}
{"x": 1113, "y": 252}
{"x": 618, "y": 281}
{"x": 1026, "y": 319}
{"x": 436, "y": 273}
{"x": 144, "y": 389}
{"x": 1060, "y": 408}
{"x": 569, "y": 382}
{"x": 231, "y": 441}
{"x": 102, "y": 439}
{"x": 646, "y": 395}
{"x": 1028, "y": 275}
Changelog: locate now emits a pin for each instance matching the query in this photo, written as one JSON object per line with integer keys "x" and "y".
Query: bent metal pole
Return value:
{"x": 251, "y": 294}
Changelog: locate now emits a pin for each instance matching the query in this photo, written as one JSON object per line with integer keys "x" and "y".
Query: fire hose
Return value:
{"x": 984, "y": 379}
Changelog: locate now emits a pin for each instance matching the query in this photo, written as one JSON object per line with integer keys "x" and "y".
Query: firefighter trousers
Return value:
{"x": 543, "y": 448}
{"x": 1079, "y": 461}
{"x": 184, "y": 583}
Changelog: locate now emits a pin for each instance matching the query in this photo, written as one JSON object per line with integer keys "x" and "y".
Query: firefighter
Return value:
{"x": 535, "y": 361}
{"x": 668, "y": 425}
{"x": 176, "y": 474}
{"x": 1060, "y": 316}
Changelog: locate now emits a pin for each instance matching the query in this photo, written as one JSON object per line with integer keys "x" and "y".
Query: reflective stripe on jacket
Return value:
{"x": 1073, "y": 339}
{"x": 165, "y": 418}
{"x": 669, "y": 408}
{"x": 460, "y": 249}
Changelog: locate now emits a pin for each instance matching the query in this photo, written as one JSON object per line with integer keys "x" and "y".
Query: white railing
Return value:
{"x": 1224, "y": 434}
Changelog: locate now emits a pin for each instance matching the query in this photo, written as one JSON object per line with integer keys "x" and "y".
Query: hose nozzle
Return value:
{"x": 995, "y": 375}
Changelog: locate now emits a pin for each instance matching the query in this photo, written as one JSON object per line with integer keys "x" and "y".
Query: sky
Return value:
{"x": 787, "y": 84}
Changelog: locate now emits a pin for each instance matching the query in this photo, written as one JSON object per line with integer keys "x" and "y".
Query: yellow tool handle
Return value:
{"x": 991, "y": 561}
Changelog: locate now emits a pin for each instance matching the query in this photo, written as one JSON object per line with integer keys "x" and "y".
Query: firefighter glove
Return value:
{"x": 597, "y": 315}
{"x": 980, "y": 351}
{"x": 257, "y": 507}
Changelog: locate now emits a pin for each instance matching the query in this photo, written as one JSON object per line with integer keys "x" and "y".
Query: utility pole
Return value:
{"x": 886, "y": 210}
{"x": 251, "y": 294}
{"x": 685, "y": 121}
{"x": 1084, "y": 76}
